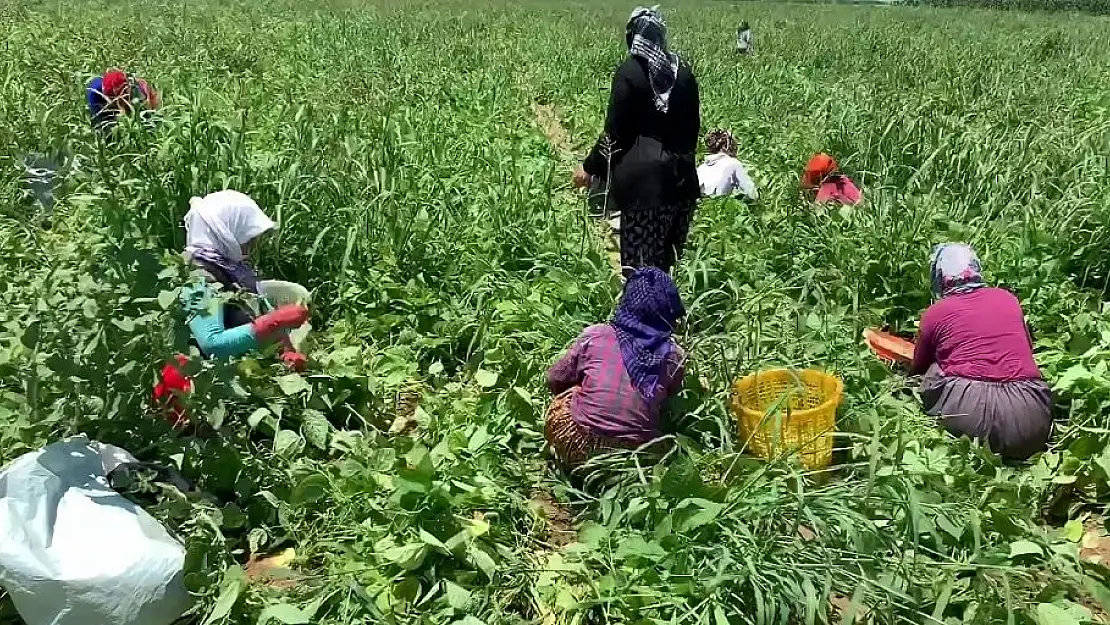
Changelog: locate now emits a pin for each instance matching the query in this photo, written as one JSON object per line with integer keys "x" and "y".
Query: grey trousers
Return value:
{"x": 1014, "y": 418}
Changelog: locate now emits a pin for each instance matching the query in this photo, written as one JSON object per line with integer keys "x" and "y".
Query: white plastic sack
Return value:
{"x": 75, "y": 552}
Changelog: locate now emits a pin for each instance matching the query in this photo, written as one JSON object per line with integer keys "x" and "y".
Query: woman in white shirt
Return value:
{"x": 721, "y": 174}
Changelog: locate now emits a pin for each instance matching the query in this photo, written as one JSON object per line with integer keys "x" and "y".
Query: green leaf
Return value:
{"x": 719, "y": 616}
{"x": 637, "y": 547}
{"x": 287, "y": 442}
{"x": 591, "y": 533}
{"x": 316, "y": 429}
{"x": 524, "y": 395}
{"x": 479, "y": 438}
{"x": 706, "y": 512}
{"x": 485, "y": 379}
{"x": 469, "y": 620}
{"x": 230, "y": 589}
{"x": 292, "y": 384}
{"x": 479, "y": 558}
{"x": 1073, "y": 531}
{"x": 310, "y": 489}
{"x": 1072, "y": 376}
{"x": 284, "y": 613}
{"x": 408, "y": 556}
{"x": 167, "y": 298}
{"x": 1052, "y": 614}
{"x": 257, "y": 416}
{"x": 478, "y": 527}
{"x": 432, "y": 541}
{"x": 1020, "y": 548}
{"x": 457, "y": 596}
{"x": 436, "y": 368}
{"x": 1100, "y": 592}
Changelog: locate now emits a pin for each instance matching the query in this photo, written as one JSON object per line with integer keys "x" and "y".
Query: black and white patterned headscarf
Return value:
{"x": 647, "y": 40}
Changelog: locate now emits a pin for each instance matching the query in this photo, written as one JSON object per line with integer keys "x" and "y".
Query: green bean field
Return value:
{"x": 417, "y": 156}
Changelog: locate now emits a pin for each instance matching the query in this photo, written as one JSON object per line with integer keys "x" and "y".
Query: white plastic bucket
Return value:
{"x": 282, "y": 293}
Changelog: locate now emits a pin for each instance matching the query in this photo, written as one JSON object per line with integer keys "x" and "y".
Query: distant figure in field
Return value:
{"x": 745, "y": 43}
{"x": 721, "y": 174}
{"x": 823, "y": 180}
{"x": 117, "y": 92}
{"x": 612, "y": 384}
{"x": 647, "y": 153}
{"x": 976, "y": 354}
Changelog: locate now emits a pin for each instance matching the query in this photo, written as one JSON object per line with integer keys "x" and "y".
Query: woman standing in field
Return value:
{"x": 976, "y": 354}
{"x": 611, "y": 386}
{"x": 721, "y": 174}
{"x": 645, "y": 158}
{"x": 824, "y": 182}
{"x": 117, "y": 92}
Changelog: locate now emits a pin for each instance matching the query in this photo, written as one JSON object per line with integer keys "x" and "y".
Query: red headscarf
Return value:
{"x": 116, "y": 84}
{"x": 818, "y": 168}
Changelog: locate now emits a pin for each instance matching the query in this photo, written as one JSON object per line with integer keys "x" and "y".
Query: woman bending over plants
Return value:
{"x": 226, "y": 314}
{"x": 117, "y": 92}
{"x": 976, "y": 354}
{"x": 611, "y": 385}
{"x": 221, "y": 230}
{"x": 823, "y": 181}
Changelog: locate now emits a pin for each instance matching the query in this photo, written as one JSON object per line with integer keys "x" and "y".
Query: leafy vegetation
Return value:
{"x": 398, "y": 145}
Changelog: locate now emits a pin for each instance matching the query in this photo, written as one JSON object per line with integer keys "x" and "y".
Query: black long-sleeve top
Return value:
{"x": 652, "y": 153}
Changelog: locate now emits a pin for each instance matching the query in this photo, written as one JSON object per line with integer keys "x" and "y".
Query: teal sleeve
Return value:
{"x": 205, "y": 315}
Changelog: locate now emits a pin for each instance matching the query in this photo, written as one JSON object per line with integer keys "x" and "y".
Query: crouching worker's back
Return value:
{"x": 612, "y": 384}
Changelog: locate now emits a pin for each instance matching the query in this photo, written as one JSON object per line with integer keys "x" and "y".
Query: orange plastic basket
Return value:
{"x": 783, "y": 410}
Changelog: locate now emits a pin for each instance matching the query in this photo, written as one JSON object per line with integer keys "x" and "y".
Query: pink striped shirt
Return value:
{"x": 606, "y": 402}
{"x": 838, "y": 188}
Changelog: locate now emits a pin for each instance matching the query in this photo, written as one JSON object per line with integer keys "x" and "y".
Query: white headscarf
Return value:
{"x": 223, "y": 222}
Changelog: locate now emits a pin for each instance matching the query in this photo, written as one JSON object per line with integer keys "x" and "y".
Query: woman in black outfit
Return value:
{"x": 646, "y": 155}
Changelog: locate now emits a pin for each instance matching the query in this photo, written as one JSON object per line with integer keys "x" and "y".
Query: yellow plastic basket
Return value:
{"x": 782, "y": 410}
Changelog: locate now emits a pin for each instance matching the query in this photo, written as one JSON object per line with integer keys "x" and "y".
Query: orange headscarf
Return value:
{"x": 818, "y": 168}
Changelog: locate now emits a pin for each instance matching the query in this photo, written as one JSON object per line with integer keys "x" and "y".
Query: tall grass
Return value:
{"x": 395, "y": 144}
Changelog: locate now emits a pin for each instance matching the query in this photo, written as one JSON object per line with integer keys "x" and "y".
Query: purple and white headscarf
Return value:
{"x": 217, "y": 227}
{"x": 647, "y": 40}
{"x": 955, "y": 269}
{"x": 645, "y": 319}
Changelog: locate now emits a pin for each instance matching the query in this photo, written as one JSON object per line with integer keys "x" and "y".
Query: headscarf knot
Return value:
{"x": 955, "y": 269}
{"x": 647, "y": 40}
{"x": 644, "y": 322}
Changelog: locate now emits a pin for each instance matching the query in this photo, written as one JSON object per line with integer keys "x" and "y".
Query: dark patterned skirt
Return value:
{"x": 1014, "y": 418}
{"x": 653, "y": 236}
{"x": 573, "y": 444}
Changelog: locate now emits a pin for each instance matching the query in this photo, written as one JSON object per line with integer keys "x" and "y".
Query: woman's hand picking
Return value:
{"x": 581, "y": 179}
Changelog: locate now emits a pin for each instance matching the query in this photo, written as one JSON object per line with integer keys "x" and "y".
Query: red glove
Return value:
{"x": 294, "y": 360}
{"x": 168, "y": 392}
{"x": 270, "y": 326}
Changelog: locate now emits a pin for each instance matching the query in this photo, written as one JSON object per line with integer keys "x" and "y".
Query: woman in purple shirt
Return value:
{"x": 976, "y": 354}
{"x": 611, "y": 385}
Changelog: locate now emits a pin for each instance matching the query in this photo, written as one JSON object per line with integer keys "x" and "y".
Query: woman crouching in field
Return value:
{"x": 976, "y": 354}
{"x": 225, "y": 311}
{"x": 611, "y": 386}
{"x": 117, "y": 93}
{"x": 722, "y": 174}
{"x": 823, "y": 181}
